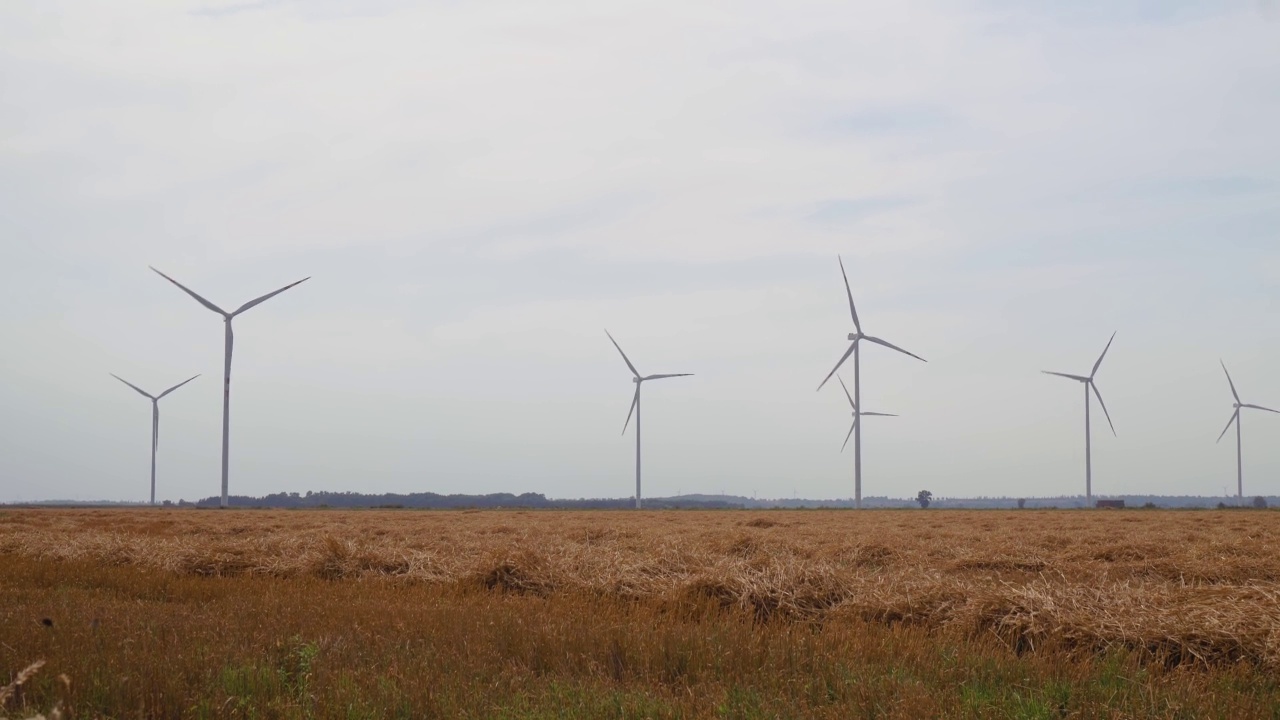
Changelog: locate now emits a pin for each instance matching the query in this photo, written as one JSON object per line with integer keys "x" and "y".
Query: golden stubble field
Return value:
{"x": 1172, "y": 591}
{"x": 1202, "y": 585}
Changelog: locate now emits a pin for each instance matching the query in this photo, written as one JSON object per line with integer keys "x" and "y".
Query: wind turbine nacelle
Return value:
{"x": 635, "y": 380}
{"x": 853, "y": 336}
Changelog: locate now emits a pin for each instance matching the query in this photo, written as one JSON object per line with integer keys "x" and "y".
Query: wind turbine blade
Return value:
{"x": 879, "y": 414}
{"x": 1078, "y": 378}
{"x": 192, "y": 293}
{"x": 1234, "y": 416}
{"x": 625, "y": 359}
{"x": 668, "y": 375}
{"x": 135, "y": 387}
{"x": 175, "y": 387}
{"x": 1104, "y": 354}
{"x": 852, "y": 309}
{"x": 1104, "y": 406}
{"x": 846, "y": 437}
{"x": 155, "y": 426}
{"x": 268, "y": 296}
{"x": 634, "y": 401}
{"x": 1259, "y": 407}
{"x": 1234, "y": 394}
{"x": 891, "y": 346}
{"x": 844, "y": 357}
{"x": 846, "y": 393}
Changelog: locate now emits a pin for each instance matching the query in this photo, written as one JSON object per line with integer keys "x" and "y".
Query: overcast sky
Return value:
{"x": 478, "y": 189}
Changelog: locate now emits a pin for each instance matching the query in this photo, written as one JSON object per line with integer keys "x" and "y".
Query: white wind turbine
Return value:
{"x": 226, "y": 385}
{"x": 856, "y": 413}
{"x": 1089, "y": 384}
{"x": 1235, "y": 418}
{"x": 155, "y": 422}
{"x": 635, "y": 405}
{"x": 855, "y": 340}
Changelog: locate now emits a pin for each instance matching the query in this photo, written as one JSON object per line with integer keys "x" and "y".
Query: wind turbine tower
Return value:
{"x": 1088, "y": 385}
{"x": 1235, "y": 418}
{"x": 227, "y": 317}
{"x": 639, "y": 380}
{"x": 855, "y": 340}
{"x": 155, "y": 422}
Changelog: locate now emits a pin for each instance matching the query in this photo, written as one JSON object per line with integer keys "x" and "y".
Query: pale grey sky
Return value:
{"x": 480, "y": 188}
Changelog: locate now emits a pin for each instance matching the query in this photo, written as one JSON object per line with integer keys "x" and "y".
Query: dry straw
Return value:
{"x": 1183, "y": 588}
{"x": 9, "y": 691}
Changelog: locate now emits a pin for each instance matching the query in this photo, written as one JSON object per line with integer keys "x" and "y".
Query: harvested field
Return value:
{"x": 1190, "y": 595}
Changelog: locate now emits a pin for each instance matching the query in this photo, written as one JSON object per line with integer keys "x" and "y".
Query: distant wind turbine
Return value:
{"x": 1089, "y": 384}
{"x": 1235, "y": 418}
{"x": 856, "y": 413}
{"x": 226, "y": 384}
{"x": 635, "y": 405}
{"x": 155, "y": 422}
{"x": 855, "y": 339}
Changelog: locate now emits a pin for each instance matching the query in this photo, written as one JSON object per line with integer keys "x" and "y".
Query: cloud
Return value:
{"x": 235, "y": 8}
{"x": 915, "y": 121}
{"x": 1209, "y": 187}
{"x": 851, "y": 210}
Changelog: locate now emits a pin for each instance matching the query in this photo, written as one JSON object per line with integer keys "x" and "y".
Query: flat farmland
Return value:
{"x": 506, "y": 614}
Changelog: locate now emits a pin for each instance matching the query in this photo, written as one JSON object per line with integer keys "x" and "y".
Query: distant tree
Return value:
{"x": 1260, "y": 502}
{"x": 924, "y": 497}
{"x": 1022, "y": 503}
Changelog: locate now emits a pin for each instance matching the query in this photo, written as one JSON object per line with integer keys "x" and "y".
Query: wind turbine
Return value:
{"x": 1088, "y": 383}
{"x": 155, "y": 422}
{"x": 855, "y": 340}
{"x": 635, "y": 405}
{"x": 230, "y": 340}
{"x": 1235, "y": 418}
{"x": 856, "y": 413}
